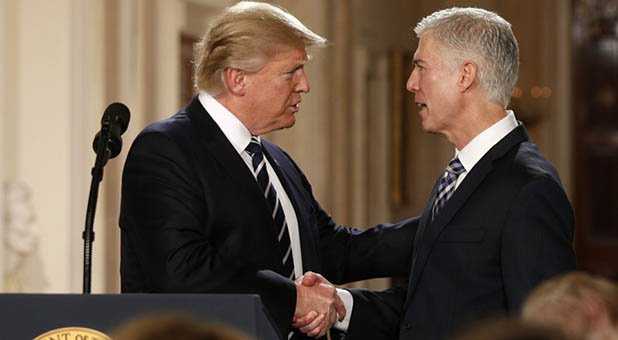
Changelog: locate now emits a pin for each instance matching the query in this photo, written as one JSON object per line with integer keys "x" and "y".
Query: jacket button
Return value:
{"x": 407, "y": 325}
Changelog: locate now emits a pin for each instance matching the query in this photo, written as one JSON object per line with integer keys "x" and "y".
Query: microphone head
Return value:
{"x": 113, "y": 145}
{"x": 116, "y": 119}
{"x": 118, "y": 112}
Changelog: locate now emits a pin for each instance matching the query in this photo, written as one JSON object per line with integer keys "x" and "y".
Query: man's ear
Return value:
{"x": 235, "y": 81}
{"x": 467, "y": 76}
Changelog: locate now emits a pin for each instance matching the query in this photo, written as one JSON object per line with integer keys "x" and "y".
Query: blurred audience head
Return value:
{"x": 510, "y": 329}
{"x": 176, "y": 327}
{"x": 582, "y": 305}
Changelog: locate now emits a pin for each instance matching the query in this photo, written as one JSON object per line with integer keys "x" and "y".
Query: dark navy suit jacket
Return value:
{"x": 507, "y": 227}
{"x": 194, "y": 220}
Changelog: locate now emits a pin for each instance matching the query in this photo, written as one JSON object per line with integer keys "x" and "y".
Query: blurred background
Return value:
{"x": 357, "y": 136}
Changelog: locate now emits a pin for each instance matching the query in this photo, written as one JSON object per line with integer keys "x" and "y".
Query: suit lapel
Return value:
{"x": 232, "y": 165}
{"x": 476, "y": 176}
{"x": 425, "y": 217}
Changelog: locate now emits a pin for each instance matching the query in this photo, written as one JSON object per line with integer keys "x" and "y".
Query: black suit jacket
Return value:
{"x": 194, "y": 220}
{"x": 507, "y": 227}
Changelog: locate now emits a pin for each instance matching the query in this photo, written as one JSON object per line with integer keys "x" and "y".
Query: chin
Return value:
{"x": 289, "y": 123}
{"x": 427, "y": 127}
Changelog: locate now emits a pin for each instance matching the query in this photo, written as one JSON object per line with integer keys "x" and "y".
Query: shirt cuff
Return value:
{"x": 348, "y": 302}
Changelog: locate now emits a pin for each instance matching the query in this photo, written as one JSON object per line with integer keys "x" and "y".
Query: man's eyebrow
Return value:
{"x": 297, "y": 66}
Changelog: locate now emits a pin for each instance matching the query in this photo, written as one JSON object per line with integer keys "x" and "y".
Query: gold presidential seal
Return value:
{"x": 73, "y": 333}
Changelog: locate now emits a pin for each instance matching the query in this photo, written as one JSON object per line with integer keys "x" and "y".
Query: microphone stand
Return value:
{"x": 103, "y": 154}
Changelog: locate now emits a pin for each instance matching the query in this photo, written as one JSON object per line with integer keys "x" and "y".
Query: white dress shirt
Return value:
{"x": 483, "y": 142}
{"x": 239, "y": 136}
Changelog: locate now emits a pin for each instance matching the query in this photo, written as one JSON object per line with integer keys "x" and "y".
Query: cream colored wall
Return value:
{"x": 3, "y": 21}
{"x": 43, "y": 129}
{"x": 170, "y": 21}
{"x": 50, "y": 112}
{"x": 86, "y": 76}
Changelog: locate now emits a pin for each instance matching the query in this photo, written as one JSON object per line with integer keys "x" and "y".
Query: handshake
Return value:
{"x": 318, "y": 306}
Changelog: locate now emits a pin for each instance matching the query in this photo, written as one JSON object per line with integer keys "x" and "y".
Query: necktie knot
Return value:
{"x": 455, "y": 167}
{"x": 446, "y": 188}
{"x": 254, "y": 147}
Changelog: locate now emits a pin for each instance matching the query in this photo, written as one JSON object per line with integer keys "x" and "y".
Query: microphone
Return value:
{"x": 113, "y": 124}
{"x": 107, "y": 144}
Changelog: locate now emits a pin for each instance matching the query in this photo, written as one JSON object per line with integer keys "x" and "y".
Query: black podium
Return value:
{"x": 26, "y": 316}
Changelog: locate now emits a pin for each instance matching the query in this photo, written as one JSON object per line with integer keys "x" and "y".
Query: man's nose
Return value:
{"x": 412, "y": 84}
{"x": 303, "y": 83}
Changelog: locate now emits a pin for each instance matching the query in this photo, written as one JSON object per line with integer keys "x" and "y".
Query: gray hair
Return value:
{"x": 474, "y": 34}
{"x": 244, "y": 37}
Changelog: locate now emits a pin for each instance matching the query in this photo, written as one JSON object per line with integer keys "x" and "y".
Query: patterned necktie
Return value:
{"x": 254, "y": 149}
{"x": 446, "y": 188}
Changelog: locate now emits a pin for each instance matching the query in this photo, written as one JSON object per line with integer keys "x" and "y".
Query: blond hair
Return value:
{"x": 244, "y": 37}
{"x": 575, "y": 301}
{"x": 175, "y": 326}
{"x": 509, "y": 329}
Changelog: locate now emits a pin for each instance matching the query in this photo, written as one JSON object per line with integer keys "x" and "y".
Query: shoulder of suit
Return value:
{"x": 272, "y": 147}
{"x": 278, "y": 153}
{"x": 530, "y": 162}
{"x": 174, "y": 126}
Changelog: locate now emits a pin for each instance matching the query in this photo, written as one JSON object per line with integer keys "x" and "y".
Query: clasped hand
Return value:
{"x": 317, "y": 305}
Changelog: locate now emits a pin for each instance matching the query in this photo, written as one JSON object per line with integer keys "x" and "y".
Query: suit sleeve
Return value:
{"x": 167, "y": 235}
{"x": 350, "y": 254}
{"x": 537, "y": 239}
{"x": 376, "y": 315}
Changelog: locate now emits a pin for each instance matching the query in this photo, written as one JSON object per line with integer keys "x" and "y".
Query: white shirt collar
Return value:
{"x": 235, "y": 131}
{"x": 479, "y": 145}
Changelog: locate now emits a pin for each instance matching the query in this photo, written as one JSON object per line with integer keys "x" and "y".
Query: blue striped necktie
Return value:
{"x": 254, "y": 149}
{"x": 446, "y": 188}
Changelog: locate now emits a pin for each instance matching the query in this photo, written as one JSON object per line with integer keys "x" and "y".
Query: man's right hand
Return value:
{"x": 318, "y": 303}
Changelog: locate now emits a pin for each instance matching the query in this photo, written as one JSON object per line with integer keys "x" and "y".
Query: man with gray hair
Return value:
{"x": 208, "y": 206}
{"x": 498, "y": 221}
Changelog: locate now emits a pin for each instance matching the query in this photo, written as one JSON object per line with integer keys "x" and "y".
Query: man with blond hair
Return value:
{"x": 208, "y": 206}
{"x": 582, "y": 305}
{"x": 498, "y": 221}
